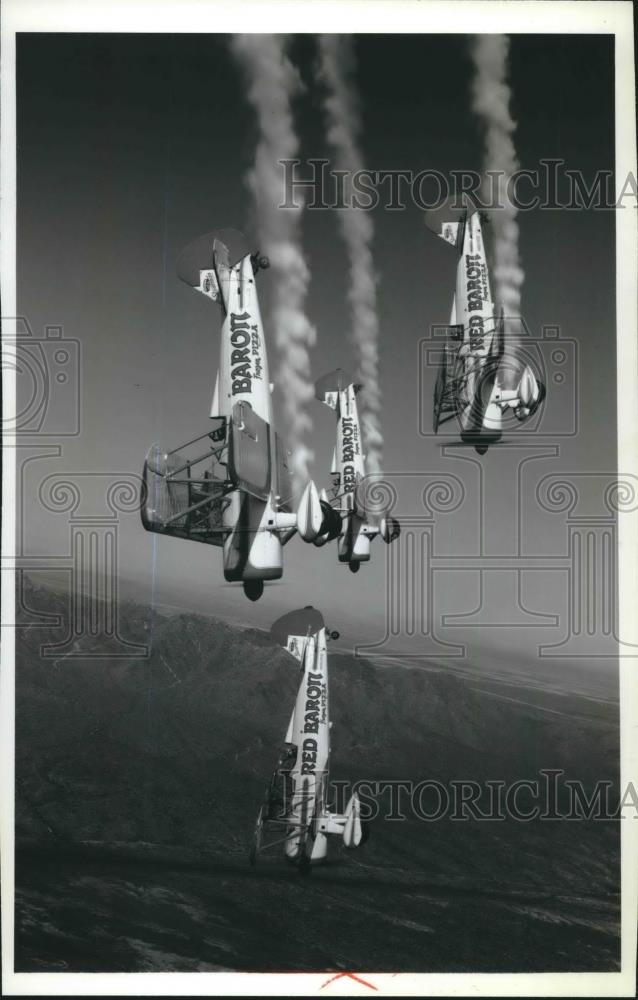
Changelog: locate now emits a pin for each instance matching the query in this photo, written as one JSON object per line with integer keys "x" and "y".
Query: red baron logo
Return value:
{"x": 244, "y": 338}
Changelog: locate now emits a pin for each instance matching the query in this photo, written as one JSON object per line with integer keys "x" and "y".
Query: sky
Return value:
{"x": 129, "y": 147}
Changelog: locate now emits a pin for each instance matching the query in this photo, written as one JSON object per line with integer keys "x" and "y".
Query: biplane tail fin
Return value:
{"x": 205, "y": 262}
{"x": 293, "y": 628}
{"x": 328, "y": 387}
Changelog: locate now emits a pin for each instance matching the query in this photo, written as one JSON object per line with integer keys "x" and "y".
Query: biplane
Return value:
{"x": 474, "y": 380}
{"x": 295, "y": 815}
{"x": 353, "y": 526}
{"x": 230, "y": 486}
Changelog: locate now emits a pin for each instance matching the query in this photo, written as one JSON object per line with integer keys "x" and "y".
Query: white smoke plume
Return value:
{"x": 272, "y": 83}
{"x": 491, "y": 95}
{"x": 343, "y": 126}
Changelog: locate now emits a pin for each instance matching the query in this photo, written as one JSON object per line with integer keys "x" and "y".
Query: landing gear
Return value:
{"x": 253, "y": 589}
{"x": 480, "y": 449}
{"x": 354, "y": 566}
{"x": 305, "y": 867}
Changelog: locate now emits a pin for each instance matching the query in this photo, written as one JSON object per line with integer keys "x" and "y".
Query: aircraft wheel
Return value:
{"x": 253, "y": 589}
{"x": 480, "y": 449}
{"x": 305, "y": 868}
{"x": 354, "y": 566}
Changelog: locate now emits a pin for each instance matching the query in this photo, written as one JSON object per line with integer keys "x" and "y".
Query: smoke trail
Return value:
{"x": 343, "y": 125}
{"x": 272, "y": 82}
{"x": 491, "y": 94}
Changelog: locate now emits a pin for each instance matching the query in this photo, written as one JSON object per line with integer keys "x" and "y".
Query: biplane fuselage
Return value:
{"x": 309, "y": 732}
{"x": 252, "y": 550}
{"x": 474, "y": 321}
{"x": 338, "y": 391}
{"x": 234, "y": 491}
{"x": 348, "y": 470}
{"x": 295, "y": 808}
{"x": 471, "y": 384}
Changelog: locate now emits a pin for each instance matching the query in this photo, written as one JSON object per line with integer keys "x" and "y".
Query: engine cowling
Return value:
{"x": 352, "y": 832}
{"x": 309, "y": 513}
{"x": 527, "y": 387}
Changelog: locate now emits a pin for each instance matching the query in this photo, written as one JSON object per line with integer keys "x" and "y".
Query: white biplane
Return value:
{"x": 295, "y": 813}
{"x": 473, "y": 384}
{"x": 354, "y": 526}
{"x": 230, "y": 486}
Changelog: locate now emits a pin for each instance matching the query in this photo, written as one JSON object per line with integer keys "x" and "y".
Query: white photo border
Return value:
{"x": 362, "y": 17}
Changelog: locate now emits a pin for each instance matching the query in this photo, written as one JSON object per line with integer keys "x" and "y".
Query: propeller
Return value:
{"x": 389, "y": 529}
